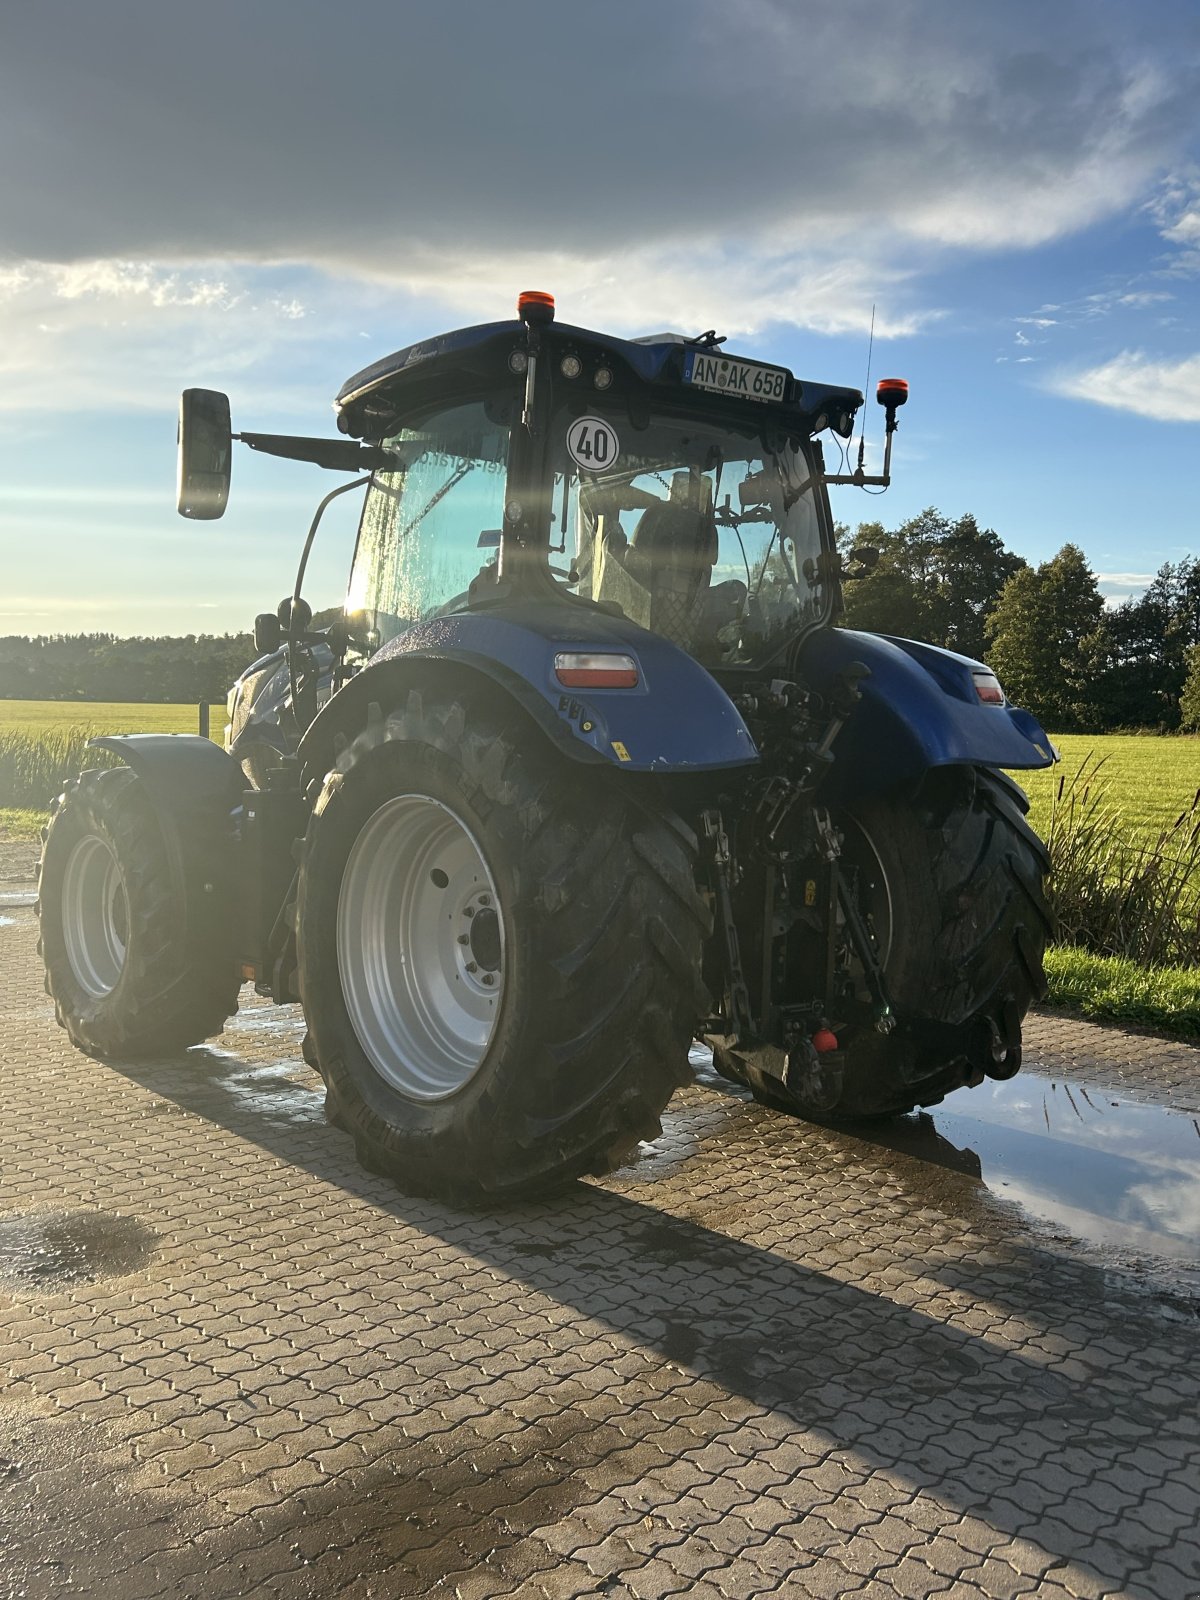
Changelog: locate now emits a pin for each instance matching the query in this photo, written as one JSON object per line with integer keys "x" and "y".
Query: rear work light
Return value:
{"x": 577, "y": 669}
{"x": 987, "y": 687}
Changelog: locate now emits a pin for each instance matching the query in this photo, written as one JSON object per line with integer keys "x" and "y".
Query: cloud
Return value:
{"x": 123, "y": 334}
{"x": 1107, "y": 301}
{"x": 210, "y": 190}
{"x": 651, "y": 287}
{"x": 410, "y": 146}
{"x": 1176, "y": 212}
{"x": 1118, "y": 587}
{"x": 1165, "y": 390}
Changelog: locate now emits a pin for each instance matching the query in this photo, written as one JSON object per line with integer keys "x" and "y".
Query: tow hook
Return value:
{"x": 814, "y": 1071}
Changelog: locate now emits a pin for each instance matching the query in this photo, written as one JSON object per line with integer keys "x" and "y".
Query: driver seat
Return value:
{"x": 675, "y": 545}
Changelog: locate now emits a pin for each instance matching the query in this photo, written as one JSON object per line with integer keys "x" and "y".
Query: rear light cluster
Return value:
{"x": 578, "y": 669}
{"x": 987, "y": 687}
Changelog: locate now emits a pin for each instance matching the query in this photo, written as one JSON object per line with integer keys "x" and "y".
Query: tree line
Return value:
{"x": 1078, "y": 665}
{"x": 99, "y": 666}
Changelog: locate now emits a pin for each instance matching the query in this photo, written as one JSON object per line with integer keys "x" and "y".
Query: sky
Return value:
{"x": 264, "y": 197}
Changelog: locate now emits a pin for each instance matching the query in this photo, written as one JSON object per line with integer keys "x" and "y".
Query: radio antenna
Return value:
{"x": 862, "y": 438}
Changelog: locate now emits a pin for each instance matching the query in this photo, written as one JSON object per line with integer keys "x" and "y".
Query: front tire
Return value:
{"x": 498, "y": 954}
{"x": 128, "y": 975}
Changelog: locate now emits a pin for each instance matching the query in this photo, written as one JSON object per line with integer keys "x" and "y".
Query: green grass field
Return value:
{"x": 39, "y": 735}
{"x": 56, "y": 716}
{"x": 1152, "y": 779}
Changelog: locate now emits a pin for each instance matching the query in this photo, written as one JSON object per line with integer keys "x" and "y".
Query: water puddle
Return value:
{"x": 1120, "y": 1174}
{"x": 274, "y": 1091}
{"x": 71, "y": 1247}
{"x": 269, "y": 1019}
{"x": 8, "y": 922}
{"x": 1113, "y": 1172}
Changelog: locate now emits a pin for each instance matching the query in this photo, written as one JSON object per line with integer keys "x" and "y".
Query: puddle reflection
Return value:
{"x": 1112, "y": 1171}
{"x": 1117, "y": 1173}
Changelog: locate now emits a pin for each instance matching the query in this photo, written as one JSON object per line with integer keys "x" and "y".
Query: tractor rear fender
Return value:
{"x": 919, "y": 709}
{"x": 676, "y": 719}
{"x": 195, "y": 789}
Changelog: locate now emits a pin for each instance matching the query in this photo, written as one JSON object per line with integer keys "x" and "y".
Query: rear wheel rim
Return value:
{"x": 860, "y": 852}
{"x": 420, "y": 947}
{"x": 95, "y": 916}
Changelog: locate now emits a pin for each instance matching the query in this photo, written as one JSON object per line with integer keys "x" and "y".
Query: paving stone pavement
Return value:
{"x": 768, "y": 1359}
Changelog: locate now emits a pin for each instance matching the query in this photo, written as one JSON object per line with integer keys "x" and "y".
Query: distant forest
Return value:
{"x": 99, "y": 666}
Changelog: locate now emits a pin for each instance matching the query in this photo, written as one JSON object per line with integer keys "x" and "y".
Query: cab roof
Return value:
{"x": 373, "y": 399}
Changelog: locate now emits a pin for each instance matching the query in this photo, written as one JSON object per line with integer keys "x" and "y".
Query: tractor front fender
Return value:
{"x": 194, "y": 788}
{"x": 919, "y": 710}
{"x": 677, "y": 719}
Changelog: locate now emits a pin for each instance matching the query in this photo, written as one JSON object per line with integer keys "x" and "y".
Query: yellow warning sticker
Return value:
{"x": 621, "y": 752}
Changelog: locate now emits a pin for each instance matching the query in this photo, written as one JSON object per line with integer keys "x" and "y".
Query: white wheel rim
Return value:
{"x": 95, "y": 916}
{"x": 420, "y": 947}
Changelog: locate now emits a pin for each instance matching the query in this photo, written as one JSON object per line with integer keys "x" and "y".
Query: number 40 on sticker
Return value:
{"x": 592, "y": 444}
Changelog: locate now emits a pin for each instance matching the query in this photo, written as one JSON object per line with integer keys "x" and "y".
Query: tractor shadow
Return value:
{"x": 1044, "y": 1390}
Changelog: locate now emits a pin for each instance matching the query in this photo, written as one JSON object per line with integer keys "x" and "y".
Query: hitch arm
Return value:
{"x": 864, "y": 949}
{"x": 739, "y": 994}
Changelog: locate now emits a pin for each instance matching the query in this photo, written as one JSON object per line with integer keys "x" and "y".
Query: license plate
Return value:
{"x": 727, "y": 375}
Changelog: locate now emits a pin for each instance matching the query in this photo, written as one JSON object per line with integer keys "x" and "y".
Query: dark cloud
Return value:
{"x": 389, "y": 137}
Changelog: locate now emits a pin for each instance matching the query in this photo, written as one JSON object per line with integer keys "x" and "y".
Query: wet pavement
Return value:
{"x": 952, "y": 1354}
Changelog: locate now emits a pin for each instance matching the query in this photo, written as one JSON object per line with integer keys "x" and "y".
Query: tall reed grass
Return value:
{"x": 34, "y": 765}
{"x": 1117, "y": 892}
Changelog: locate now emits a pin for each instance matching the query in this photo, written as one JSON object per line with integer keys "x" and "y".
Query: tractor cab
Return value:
{"x": 659, "y": 479}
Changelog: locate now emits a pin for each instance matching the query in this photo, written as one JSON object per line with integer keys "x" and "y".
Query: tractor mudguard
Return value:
{"x": 676, "y": 719}
{"x": 919, "y": 710}
{"x": 194, "y": 788}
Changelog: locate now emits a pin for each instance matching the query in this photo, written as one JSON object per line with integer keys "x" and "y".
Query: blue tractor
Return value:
{"x": 584, "y": 769}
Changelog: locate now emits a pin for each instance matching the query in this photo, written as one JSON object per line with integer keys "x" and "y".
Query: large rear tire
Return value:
{"x": 129, "y": 974}
{"x": 499, "y": 955}
{"x": 951, "y": 883}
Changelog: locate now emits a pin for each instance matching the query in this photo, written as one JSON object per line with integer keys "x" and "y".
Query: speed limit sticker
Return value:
{"x": 592, "y": 444}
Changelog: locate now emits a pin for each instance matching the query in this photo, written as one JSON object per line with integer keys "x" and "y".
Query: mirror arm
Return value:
{"x": 342, "y": 488}
{"x": 294, "y": 635}
{"x": 340, "y": 455}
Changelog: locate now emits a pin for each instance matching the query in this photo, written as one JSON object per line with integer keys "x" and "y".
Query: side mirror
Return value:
{"x": 267, "y": 633}
{"x": 865, "y": 555}
{"x": 205, "y": 445}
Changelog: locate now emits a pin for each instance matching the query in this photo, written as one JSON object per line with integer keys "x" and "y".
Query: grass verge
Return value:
{"x": 1114, "y": 989}
{"x": 18, "y": 822}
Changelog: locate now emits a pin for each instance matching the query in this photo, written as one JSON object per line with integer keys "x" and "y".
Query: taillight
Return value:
{"x": 577, "y": 669}
{"x": 987, "y": 687}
